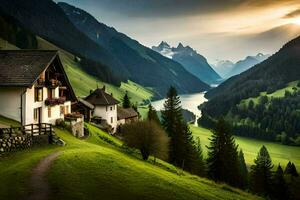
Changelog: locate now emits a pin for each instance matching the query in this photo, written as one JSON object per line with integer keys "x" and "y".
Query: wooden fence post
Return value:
{"x": 31, "y": 129}
{"x": 50, "y": 135}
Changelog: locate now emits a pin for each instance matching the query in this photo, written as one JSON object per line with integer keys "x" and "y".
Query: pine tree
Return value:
{"x": 172, "y": 123}
{"x": 200, "y": 163}
{"x": 291, "y": 170}
{"x": 244, "y": 178}
{"x": 261, "y": 175}
{"x": 183, "y": 152}
{"x": 126, "y": 101}
{"x": 152, "y": 114}
{"x": 279, "y": 186}
{"x": 222, "y": 161}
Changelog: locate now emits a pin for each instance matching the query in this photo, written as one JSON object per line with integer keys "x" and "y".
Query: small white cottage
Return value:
{"x": 34, "y": 87}
{"x": 105, "y": 107}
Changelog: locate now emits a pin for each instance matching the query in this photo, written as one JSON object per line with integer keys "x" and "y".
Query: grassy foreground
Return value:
{"x": 97, "y": 169}
{"x": 279, "y": 153}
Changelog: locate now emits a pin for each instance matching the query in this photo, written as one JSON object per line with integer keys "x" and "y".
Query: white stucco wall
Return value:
{"x": 55, "y": 110}
{"x": 107, "y": 114}
{"x": 10, "y": 102}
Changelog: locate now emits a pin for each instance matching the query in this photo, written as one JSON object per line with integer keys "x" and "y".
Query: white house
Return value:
{"x": 105, "y": 107}
{"x": 34, "y": 87}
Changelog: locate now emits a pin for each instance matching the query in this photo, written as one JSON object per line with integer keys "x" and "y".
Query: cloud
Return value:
{"x": 295, "y": 13}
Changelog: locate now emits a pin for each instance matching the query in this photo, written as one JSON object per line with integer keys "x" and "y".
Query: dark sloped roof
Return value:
{"x": 23, "y": 67}
{"x": 100, "y": 97}
{"x": 125, "y": 113}
{"x": 85, "y": 103}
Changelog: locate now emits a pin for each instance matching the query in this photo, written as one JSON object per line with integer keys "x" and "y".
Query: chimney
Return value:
{"x": 91, "y": 91}
{"x": 103, "y": 88}
{"x": 111, "y": 94}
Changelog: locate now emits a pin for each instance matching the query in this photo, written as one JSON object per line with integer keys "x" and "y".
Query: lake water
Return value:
{"x": 189, "y": 102}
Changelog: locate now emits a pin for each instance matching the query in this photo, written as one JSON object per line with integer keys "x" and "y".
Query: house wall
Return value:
{"x": 106, "y": 113}
{"x": 55, "y": 110}
{"x": 10, "y": 102}
{"x": 10, "y": 105}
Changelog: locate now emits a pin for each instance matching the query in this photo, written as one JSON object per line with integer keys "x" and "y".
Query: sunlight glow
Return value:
{"x": 296, "y": 21}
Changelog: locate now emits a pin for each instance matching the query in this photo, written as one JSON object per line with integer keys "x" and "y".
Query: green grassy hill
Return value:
{"x": 98, "y": 168}
{"x": 279, "y": 153}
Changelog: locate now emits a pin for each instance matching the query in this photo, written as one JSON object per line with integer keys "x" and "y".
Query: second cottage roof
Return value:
{"x": 100, "y": 97}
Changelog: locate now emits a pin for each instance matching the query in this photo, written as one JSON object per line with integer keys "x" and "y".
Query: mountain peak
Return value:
{"x": 180, "y": 46}
{"x": 259, "y": 55}
{"x": 163, "y": 44}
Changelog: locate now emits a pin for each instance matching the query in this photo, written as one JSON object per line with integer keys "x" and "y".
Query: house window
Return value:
{"x": 49, "y": 112}
{"x": 38, "y": 94}
{"x": 51, "y": 93}
{"x": 35, "y": 114}
{"x": 106, "y": 108}
{"x": 111, "y": 120}
{"x": 62, "y": 110}
{"x": 66, "y": 110}
{"x": 111, "y": 108}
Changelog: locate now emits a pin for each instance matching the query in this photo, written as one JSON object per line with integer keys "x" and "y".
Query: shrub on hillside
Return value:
{"x": 148, "y": 137}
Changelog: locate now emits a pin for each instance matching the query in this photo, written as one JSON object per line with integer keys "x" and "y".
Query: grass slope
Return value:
{"x": 279, "y": 153}
{"x": 95, "y": 169}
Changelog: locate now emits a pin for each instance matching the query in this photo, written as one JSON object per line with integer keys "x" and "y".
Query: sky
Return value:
{"x": 217, "y": 29}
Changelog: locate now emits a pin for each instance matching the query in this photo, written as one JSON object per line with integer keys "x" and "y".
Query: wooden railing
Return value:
{"x": 32, "y": 129}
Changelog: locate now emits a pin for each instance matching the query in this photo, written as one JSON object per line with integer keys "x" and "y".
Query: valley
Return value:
{"x": 280, "y": 154}
{"x": 91, "y": 108}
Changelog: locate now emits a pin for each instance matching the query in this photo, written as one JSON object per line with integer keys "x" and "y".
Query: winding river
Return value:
{"x": 189, "y": 102}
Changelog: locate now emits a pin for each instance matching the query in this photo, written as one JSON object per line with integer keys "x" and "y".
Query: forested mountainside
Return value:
{"x": 143, "y": 65}
{"x": 275, "y": 112}
{"x": 191, "y": 60}
{"x": 46, "y": 19}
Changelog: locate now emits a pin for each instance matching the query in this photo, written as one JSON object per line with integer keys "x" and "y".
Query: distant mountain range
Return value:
{"x": 223, "y": 67}
{"x": 193, "y": 62}
{"x": 227, "y": 68}
{"x": 112, "y": 56}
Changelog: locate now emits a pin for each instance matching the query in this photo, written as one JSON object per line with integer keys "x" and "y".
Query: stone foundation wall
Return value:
{"x": 14, "y": 142}
{"x": 77, "y": 128}
{"x": 20, "y": 142}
